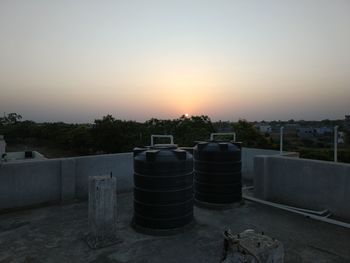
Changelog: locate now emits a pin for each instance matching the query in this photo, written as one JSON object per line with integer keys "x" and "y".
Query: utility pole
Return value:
{"x": 281, "y": 139}
{"x": 335, "y": 143}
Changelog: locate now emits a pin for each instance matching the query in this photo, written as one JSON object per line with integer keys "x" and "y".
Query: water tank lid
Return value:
{"x": 223, "y": 145}
{"x": 216, "y": 141}
{"x": 219, "y": 141}
{"x": 163, "y": 146}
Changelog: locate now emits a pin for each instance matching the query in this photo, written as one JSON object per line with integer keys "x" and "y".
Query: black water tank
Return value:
{"x": 163, "y": 187}
{"x": 28, "y": 154}
{"x": 217, "y": 172}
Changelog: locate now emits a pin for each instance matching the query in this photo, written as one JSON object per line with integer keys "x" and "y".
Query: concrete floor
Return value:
{"x": 56, "y": 234}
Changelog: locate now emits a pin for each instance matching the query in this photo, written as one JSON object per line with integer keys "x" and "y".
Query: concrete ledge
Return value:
{"x": 120, "y": 165}
{"x": 29, "y": 183}
{"x": 248, "y": 155}
{"x": 304, "y": 183}
{"x": 25, "y": 184}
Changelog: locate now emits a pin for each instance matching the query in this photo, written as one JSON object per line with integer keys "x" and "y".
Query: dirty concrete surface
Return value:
{"x": 56, "y": 234}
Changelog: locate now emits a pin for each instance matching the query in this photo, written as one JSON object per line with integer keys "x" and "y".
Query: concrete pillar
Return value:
{"x": 102, "y": 211}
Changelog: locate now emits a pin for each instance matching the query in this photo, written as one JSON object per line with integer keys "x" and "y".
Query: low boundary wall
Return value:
{"x": 58, "y": 180}
{"x": 248, "y": 155}
{"x": 34, "y": 182}
{"x": 303, "y": 183}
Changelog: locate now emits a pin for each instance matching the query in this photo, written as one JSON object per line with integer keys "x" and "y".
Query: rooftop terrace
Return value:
{"x": 56, "y": 234}
{"x": 26, "y": 156}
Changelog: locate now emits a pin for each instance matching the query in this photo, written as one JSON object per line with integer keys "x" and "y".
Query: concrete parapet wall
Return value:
{"x": 33, "y": 182}
{"x": 248, "y": 155}
{"x": 120, "y": 165}
{"x": 20, "y": 157}
{"x": 29, "y": 183}
{"x": 304, "y": 183}
{"x": 59, "y": 180}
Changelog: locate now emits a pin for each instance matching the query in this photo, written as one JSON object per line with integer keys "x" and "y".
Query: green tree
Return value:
{"x": 250, "y": 136}
{"x": 11, "y": 118}
{"x": 190, "y": 130}
{"x": 185, "y": 130}
{"x": 110, "y": 135}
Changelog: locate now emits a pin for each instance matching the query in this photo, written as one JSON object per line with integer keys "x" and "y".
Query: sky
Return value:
{"x": 78, "y": 60}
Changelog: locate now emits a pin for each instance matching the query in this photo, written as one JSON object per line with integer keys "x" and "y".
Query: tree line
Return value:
{"x": 111, "y": 135}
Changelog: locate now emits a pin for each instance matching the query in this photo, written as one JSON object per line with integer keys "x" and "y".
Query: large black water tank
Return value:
{"x": 217, "y": 172}
{"x": 163, "y": 188}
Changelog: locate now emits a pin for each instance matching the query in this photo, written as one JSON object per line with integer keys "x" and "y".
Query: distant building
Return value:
{"x": 306, "y": 132}
{"x": 17, "y": 156}
{"x": 265, "y": 128}
{"x": 223, "y": 126}
{"x": 347, "y": 122}
{"x": 323, "y": 130}
{"x": 291, "y": 128}
{"x": 292, "y": 125}
{"x": 275, "y": 129}
{"x": 341, "y": 137}
{"x": 21, "y": 156}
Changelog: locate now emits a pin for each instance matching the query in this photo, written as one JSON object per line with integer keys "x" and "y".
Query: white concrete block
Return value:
{"x": 102, "y": 211}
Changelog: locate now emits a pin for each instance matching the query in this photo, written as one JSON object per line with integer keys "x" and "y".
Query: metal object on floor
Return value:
{"x": 251, "y": 247}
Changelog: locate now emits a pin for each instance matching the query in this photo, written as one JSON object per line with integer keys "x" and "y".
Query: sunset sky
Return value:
{"x": 76, "y": 60}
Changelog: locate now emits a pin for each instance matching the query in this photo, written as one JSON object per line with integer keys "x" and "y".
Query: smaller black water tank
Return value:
{"x": 28, "y": 154}
{"x": 163, "y": 188}
{"x": 217, "y": 172}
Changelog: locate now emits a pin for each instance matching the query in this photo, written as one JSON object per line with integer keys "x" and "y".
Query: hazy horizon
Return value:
{"x": 170, "y": 118}
{"x": 76, "y": 61}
